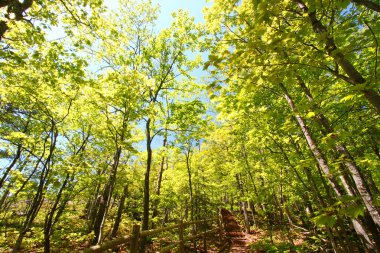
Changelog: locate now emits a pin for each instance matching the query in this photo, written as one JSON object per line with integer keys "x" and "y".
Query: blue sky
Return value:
{"x": 168, "y": 6}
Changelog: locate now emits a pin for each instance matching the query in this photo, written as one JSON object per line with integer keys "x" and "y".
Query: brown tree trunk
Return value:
{"x": 325, "y": 168}
{"x": 49, "y": 219}
{"x": 13, "y": 163}
{"x": 119, "y": 211}
{"x": 39, "y": 196}
{"x": 332, "y": 50}
{"x": 106, "y": 198}
{"x": 348, "y": 161}
{"x": 159, "y": 180}
{"x": 145, "y": 221}
{"x": 369, "y": 4}
{"x": 243, "y": 203}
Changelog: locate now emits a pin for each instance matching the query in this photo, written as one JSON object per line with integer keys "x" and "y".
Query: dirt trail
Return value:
{"x": 239, "y": 241}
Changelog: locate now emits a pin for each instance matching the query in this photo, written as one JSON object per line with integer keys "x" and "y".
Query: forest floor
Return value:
{"x": 258, "y": 240}
{"x": 238, "y": 241}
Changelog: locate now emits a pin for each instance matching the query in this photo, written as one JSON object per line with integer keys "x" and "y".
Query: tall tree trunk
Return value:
{"x": 368, "y": 4}
{"x": 348, "y": 161}
{"x": 92, "y": 208}
{"x": 355, "y": 77}
{"x": 59, "y": 205}
{"x": 243, "y": 203}
{"x": 188, "y": 166}
{"x": 13, "y": 163}
{"x": 313, "y": 147}
{"x": 190, "y": 185}
{"x": 39, "y": 196}
{"x": 106, "y": 198}
{"x": 310, "y": 177}
{"x": 248, "y": 166}
{"x": 145, "y": 221}
{"x": 325, "y": 168}
{"x": 119, "y": 211}
{"x": 159, "y": 180}
{"x": 252, "y": 207}
{"x": 49, "y": 219}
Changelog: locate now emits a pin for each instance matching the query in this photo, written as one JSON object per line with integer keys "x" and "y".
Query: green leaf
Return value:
{"x": 310, "y": 115}
{"x": 353, "y": 211}
{"x": 324, "y": 220}
{"x": 346, "y": 98}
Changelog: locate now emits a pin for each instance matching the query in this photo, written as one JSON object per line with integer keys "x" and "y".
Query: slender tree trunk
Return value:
{"x": 325, "y": 168}
{"x": 106, "y": 198}
{"x": 368, "y": 4}
{"x": 159, "y": 180}
{"x": 243, "y": 203}
{"x": 119, "y": 211}
{"x": 13, "y": 163}
{"x": 187, "y": 155}
{"x": 310, "y": 177}
{"x": 313, "y": 147}
{"x": 252, "y": 207}
{"x": 50, "y": 216}
{"x": 39, "y": 196}
{"x": 190, "y": 185}
{"x": 59, "y": 205}
{"x": 145, "y": 221}
{"x": 332, "y": 50}
{"x": 92, "y": 208}
{"x": 348, "y": 161}
{"x": 245, "y": 156}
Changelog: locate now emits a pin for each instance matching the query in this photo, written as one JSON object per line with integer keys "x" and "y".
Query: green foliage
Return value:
{"x": 268, "y": 247}
{"x": 325, "y": 220}
{"x": 73, "y": 113}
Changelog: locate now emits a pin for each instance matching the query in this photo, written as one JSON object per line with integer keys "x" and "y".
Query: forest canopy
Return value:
{"x": 107, "y": 120}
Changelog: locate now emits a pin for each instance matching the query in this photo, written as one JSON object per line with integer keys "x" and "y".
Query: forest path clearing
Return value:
{"x": 239, "y": 241}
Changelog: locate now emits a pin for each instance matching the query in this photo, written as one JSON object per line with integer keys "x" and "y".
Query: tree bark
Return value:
{"x": 39, "y": 196}
{"x": 243, "y": 203}
{"x": 159, "y": 180}
{"x": 145, "y": 221}
{"x": 348, "y": 161}
{"x": 369, "y": 4}
{"x": 106, "y": 197}
{"x": 50, "y": 216}
{"x": 13, "y": 163}
{"x": 332, "y": 50}
{"x": 119, "y": 211}
{"x": 313, "y": 147}
{"x": 325, "y": 168}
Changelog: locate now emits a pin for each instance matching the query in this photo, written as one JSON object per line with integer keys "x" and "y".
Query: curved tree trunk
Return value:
{"x": 355, "y": 77}
{"x": 49, "y": 219}
{"x": 106, "y": 198}
{"x": 326, "y": 170}
{"x": 13, "y": 163}
{"x": 348, "y": 161}
{"x": 119, "y": 211}
{"x": 369, "y": 4}
{"x": 39, "y": 196}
